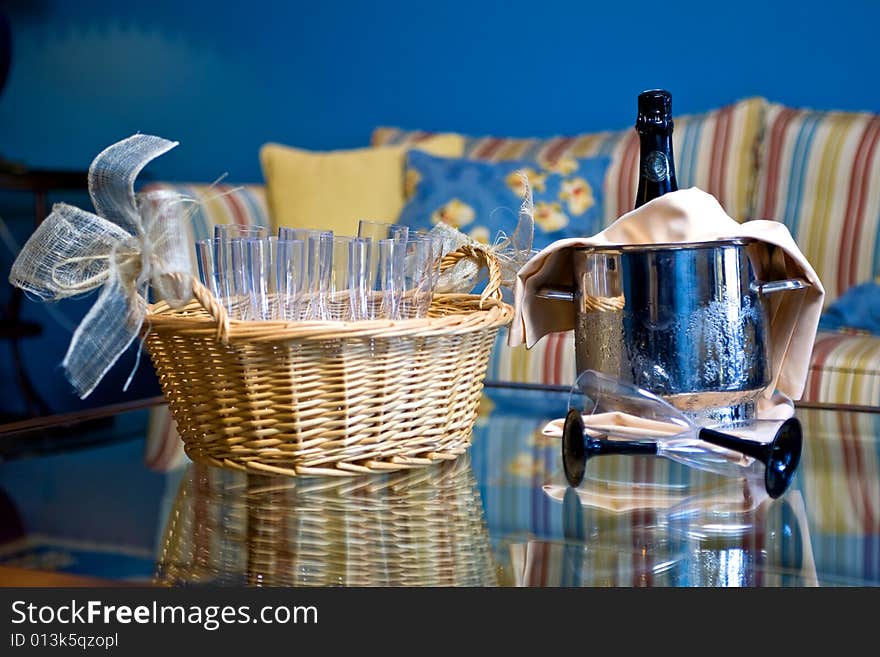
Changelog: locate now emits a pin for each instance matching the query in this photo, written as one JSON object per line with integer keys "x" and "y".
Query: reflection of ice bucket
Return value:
{"x": 420, "y": 527}
{"x": 715, "y": 532}
{"x": 763, "y": 544}
{"x": 686, "y": 321}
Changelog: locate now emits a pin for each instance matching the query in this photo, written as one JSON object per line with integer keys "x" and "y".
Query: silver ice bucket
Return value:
{"x": 688, "y": 322}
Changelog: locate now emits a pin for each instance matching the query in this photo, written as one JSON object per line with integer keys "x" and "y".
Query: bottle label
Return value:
{"x": 655, "y": 166}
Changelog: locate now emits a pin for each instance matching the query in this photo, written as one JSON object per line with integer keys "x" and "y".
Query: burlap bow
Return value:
{"x": 511, "y": 251}
{"x": 133, "y": 240}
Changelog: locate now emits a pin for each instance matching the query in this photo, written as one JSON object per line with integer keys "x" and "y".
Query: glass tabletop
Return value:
{"x": 76, "y": 498}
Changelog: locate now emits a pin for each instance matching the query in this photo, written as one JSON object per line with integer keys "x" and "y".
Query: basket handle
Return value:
{"x": 214, "y": 307}
{"x": 485, "y": 258}
{"x": 207, "y": 301}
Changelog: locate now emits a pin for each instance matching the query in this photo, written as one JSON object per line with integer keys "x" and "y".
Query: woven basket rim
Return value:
{"x": 453, "y": 314}
{"x": 457, "y": 313}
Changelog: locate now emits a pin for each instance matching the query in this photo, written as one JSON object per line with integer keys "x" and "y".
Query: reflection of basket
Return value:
{"x": 327, "y": 397}
{"x": 421, "y": 527}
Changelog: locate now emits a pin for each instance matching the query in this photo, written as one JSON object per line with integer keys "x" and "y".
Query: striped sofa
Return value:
{"x": 816, "y": 171}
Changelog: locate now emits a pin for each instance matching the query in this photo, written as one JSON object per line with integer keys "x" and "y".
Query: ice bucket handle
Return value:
{"x": 771, "y": 287}
{"x": 556, "y": 294}
{"x": 588, "y": 302}
{"x": 758, "y": 287}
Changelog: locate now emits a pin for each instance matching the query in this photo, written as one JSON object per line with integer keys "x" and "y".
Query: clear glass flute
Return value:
{"x": 347, "y": 296}
{"x": 225, "y": 233}
{"x": 419, "y": 278}
{"x": 258, "y": 281}
{"x": 609, "y": 416}
{"x": 290, "y": 281}
{"x": 222, "y": 270}
{"x": 318, "y": 269}
{"x": 274, "y": 274}
{"x": 234, "y": 231}
{"x": 236, "y": 279}
{"x": 386, "y": 279}
{"x": 209, "y": 274}
{"x": 378, "y": 230}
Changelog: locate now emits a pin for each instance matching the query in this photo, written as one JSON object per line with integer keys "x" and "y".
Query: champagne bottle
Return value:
{"x": 656, "y": 162}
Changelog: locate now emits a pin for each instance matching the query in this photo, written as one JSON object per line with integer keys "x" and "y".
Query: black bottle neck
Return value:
{"x": 656, "y": 162}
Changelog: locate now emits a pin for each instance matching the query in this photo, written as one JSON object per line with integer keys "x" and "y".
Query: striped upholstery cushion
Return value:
{"x": 815, "y": 175}
{"x": 221, "y": 204}
{"x": 716, "y": 151}
{"x": 550, "y": 361}
{"x": 845, "y": 368}
{"x": 848, "y": 523}
{"x": 163, "y": 449}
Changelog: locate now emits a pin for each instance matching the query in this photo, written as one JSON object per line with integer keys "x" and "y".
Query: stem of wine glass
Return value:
{"x": 780, "y": 456}
{"x": 578, "y": 447}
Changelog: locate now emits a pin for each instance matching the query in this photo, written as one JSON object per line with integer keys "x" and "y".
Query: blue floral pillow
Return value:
{"x": 482, "y": 198}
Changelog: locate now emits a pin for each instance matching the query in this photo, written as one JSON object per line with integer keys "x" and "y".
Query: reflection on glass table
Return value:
{"x": 77, "y": 498}
{"x": 729, "y": 534}
{"x": 421, "y": 527}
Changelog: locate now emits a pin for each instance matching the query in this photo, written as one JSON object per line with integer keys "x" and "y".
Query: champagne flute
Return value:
{"x": 606, "y": 414}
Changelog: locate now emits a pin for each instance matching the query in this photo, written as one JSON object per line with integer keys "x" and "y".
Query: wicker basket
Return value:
{"x": 327, "y": 398}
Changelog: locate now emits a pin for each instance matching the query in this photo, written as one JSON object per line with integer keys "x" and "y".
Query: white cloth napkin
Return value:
{"x": 690, "y": 215}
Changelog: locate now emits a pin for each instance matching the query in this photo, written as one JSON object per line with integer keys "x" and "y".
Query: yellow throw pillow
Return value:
{"x": 333, "y": 190}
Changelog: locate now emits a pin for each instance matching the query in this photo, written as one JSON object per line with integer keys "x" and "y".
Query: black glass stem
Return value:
{"x": 656, "y": 161}
{"x": 780, "y": 456}
{"x": 578, "y": 447}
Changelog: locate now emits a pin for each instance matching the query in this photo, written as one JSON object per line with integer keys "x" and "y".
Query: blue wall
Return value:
{"x": 224, "y": 76}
